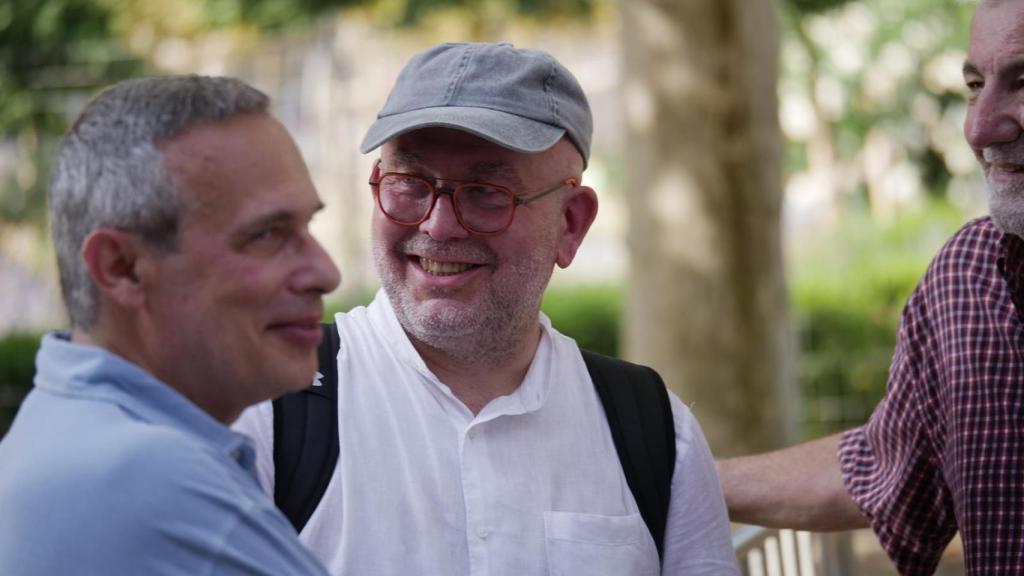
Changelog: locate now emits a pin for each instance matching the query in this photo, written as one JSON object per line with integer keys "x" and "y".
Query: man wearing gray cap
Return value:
{"x": 474, "y": 438}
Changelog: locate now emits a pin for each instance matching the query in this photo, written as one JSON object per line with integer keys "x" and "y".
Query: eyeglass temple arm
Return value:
{"x": 525, "y": 201}
{"x": 374, "y": 180}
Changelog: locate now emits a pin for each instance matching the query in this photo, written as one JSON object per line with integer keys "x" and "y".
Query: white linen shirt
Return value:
{"x": 532, "y": 485}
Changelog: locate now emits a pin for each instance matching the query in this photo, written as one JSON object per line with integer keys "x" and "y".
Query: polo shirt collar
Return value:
{"x": 67, "y": 368}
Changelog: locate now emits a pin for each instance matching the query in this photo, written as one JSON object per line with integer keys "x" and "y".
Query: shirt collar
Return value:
{"x": 1011, "y": 266}
{"x": 385, "y": 321}
{"x": 70, "y": 369}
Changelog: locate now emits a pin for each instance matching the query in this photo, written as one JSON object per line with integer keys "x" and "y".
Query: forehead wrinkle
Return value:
{"x": 282, "y": 214}
{"x": 495, "y": 169}
{"x": 1012, "y": 66}
{"x": 996, "y": 34}
{"x": 480, "y": 170}
{"x": 404, "y": 156}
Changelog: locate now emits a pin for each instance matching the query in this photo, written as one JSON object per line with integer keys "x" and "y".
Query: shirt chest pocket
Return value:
{"x": 595, "y": 545}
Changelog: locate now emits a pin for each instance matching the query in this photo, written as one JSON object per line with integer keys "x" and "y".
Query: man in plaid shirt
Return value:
{"x": 944, "y": 450}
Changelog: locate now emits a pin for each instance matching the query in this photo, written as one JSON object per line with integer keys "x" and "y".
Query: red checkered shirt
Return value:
{"x": 945, "y": 447}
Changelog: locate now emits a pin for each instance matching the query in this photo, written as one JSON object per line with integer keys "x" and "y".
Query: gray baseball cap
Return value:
{"x": 521, "y": 99}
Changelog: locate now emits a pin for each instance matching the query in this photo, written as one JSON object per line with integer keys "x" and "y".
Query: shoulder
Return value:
{"x": 690, "y": 440}
{"x": 964, "y": 271}
{"x": 106, "y": 448}
{"x": 188, "y": 474}
{"x": 195, "y": 501}
{"x": 629, "y": 390}
{"x": 972, "y": 249}
{"x": 127, "y": 491}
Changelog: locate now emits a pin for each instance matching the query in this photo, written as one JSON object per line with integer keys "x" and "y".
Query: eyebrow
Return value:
{"x": 275, "y": 217}
{"x": 1014, "y": 67}
{"x": 480, "y": 170}
{"x": 406, "y": 158}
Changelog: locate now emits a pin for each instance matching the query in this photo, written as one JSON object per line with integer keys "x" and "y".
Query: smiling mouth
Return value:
{"x": 1009, "y": 168}
{"x": 303, "y": 332}
{"x": 436, "y": 268}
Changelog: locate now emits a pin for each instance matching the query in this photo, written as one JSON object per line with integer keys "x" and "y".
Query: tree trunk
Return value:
{"x": 707, "y": 303}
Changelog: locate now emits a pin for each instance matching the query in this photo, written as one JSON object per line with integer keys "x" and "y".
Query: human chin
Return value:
{"x": 1006, "y": 205}
{"x": 430, "y": 315}
{"x": 284, "y": 370}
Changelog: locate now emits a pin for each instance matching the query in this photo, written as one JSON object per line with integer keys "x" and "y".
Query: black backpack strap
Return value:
{"x": 640, "y": 417}
{"x": 306, "y": 438}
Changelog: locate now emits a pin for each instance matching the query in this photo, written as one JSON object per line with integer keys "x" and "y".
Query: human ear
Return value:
{"x": 578, "y": 214}
{"x": 113, "y": 259}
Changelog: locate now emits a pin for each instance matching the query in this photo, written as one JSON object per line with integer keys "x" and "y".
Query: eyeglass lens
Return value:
{"x": 482, "y": 208}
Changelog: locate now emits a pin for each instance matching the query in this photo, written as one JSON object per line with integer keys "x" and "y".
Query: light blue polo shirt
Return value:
{"x": 106, "y": 470}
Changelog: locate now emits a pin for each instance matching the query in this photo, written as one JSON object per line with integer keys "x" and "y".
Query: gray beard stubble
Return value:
{"x": 486, "y": 334}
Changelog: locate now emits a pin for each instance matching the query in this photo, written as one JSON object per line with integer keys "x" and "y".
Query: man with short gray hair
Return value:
{"x": 943, "y": 452}
{"x": 180, "y": 211}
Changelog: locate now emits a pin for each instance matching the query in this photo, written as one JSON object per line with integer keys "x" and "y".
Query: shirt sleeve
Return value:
{"x": 697, "y": 537}
{"x": 891, "y": 465}
{"x": 257, "y": 424}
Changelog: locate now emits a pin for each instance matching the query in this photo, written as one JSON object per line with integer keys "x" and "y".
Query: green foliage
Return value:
{"x": 269, "y": 14}
{"x": 51, "y": 52}
{"x": 347, "y": 303}
{"x": 588, "y": 314}
{"x": 17, "y": 367}
{"x": 805, "y": 7}
{"x": 848, "y": 293}
{"x": 846, "y": 337}
{"x": 274, "y": 14}
{"x": 48, "y": 47}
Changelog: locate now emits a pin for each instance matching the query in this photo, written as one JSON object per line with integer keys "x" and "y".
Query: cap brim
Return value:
{"x": 504, "y": 129}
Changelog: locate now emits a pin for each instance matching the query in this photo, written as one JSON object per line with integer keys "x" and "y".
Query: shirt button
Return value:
{"x": 482, "y": 533}
{"x": 471, "y": 433}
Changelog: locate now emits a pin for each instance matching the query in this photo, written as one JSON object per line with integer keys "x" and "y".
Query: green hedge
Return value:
{"x": 589, "y": 314}
{"x": 846, "y": 332}
{"x": 846, "y": 327}
{"x": 17, "y": 365}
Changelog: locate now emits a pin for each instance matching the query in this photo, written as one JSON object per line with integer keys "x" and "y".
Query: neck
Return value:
{"x": 108, "y": 340}
{"x": 128, "y": 342}
{"x": 477, "y": 372}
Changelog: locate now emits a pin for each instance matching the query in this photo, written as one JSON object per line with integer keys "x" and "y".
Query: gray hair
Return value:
{"x": 109, "y": 173}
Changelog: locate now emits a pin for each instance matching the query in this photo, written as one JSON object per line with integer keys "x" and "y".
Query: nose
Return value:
{"x": 320, "y": 275}
{"x": 992, "y": 119}
{"x": 443, "y": 224}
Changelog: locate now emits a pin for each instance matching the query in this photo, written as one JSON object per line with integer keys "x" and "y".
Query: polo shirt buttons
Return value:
{"x": 482, "y": 533}
{"x": 471, "y": 433}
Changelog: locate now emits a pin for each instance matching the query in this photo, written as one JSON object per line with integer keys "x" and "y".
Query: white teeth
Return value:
{"x": 443, "y": 268}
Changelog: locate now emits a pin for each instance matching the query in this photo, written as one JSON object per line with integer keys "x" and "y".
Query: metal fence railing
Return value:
{"x": 770, "y": 552}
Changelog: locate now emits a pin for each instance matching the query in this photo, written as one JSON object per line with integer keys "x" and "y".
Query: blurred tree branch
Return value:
{"x": 55, "y": 53}
{"x": 51, "y": 51}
